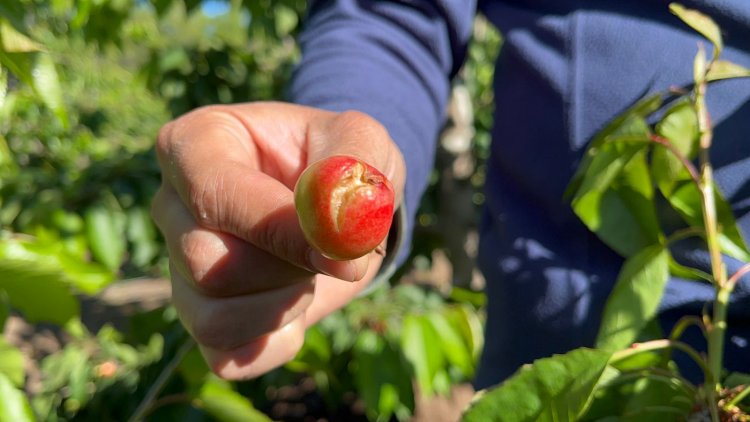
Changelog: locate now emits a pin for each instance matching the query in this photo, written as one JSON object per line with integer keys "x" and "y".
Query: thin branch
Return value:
{"x": 737, "y": 275}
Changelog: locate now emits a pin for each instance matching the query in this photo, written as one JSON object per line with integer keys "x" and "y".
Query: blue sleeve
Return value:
{"x": 392, "y": 60}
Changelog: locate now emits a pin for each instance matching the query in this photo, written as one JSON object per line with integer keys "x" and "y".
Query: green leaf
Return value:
{"x": 226, "y": 405}
{"x": 466, "y": 320}
{"x": 700, "y": 22}
{"x": 686, "y": 200}
{"x": 635, "y": 298}
{"x": 418, "y": 341}
{"x": 105, "y": 232}
{"x": 12, "y": 41}
{"x": 680, "y": 127}
{"x": 608, "y": 154}
{"x": 49, "y": 254}
{"x": 558, "y": 388}
{"x": 142, "y": 235}
{"x": 14, "y": 12}
{"x": 47, "y": 86}
{"x": 381, "y": 377}
{"x": 11, "y": 363}
{"x": 4, "y": 309}
{"x": 631, "y": 120}
{"x": 39, "y": 292}
{"x": 14, "y": 407}
{"x": 647, "y": 398}
{"x": 622, "y": 214}
{"x": 456, "y": 349}
{"x": 724, "y": 69}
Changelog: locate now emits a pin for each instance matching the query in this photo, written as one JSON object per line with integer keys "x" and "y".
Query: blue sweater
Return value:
{"x": 566, "y": 68}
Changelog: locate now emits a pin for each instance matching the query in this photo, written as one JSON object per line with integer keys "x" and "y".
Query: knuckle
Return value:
{"x": 204, "y": 198}
{"x": 360, "y": 122}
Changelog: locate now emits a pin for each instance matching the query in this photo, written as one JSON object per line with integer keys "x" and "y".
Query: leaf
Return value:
{"x": 466, "y": 320}
{"x": 14, "y": 407}
{"x": 39, "y": 292}
{"x": 701, "y": 23}
{"x": 623, "y": 214}
{"x": 622, "y": 124}
{"x": 47, "y": 86}
{"x": 558, "y": 388}
{"x": 634, "y": 299}
{"x": 647, "y": 398}
{"x": 4, "y": 309}
{"x": 724, "y": 69}
{"x": 457, "y": 351}
{"x": 680, "y": 127}
{"x": 12, "y": 41}
{"x": 105, "y": 232}
{"x": 50, "y": 254}
{"x": 226, "y": 405}
{"x": 418, "y": 341}
{"x": 14, "y": 12}
{"x": 142, "y": 235}
{"x": 11, "y": 363}
{"x": 380, "y": 377}
{"x": 686, "y": 200}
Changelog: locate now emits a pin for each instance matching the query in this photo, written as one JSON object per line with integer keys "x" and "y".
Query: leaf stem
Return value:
{"x": 660, "y": 344}
{"x": 738, "y": 398}
{"x": 145, "y": 406}
{"x": 737, "y": 275}
{"x": 666, "y": 143}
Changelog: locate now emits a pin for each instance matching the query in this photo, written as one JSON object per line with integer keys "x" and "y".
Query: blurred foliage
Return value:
{"x": 84, "y": 87}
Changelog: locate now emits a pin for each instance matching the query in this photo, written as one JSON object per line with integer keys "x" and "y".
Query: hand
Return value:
{"x": 245, "y": 282}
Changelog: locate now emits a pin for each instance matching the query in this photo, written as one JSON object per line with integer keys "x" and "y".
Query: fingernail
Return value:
{"x": 344, "y": 270}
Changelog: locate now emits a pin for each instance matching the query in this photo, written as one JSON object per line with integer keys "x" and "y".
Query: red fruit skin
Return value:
{"x": 344, "y": 205}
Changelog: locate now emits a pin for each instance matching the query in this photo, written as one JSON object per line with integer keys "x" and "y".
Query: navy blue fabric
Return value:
{"x": 566, "y": 68}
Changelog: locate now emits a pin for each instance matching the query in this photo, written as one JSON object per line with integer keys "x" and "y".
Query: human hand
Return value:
{"x": 245, "y": 282}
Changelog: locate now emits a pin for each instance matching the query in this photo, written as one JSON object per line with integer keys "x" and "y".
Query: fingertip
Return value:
{"x": 351, "y": 270}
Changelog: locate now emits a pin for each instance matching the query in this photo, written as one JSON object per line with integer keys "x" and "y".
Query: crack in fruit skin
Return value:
{"x": 345, "y": 206}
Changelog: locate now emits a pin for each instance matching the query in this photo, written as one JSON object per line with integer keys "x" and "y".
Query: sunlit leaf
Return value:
{"x": 686, "y": 199}
{"x": 39, "y": 291}
{"x": 456, "y": 350}
{"x": 106, "y": 234}
{"x": 418, "y": 341}
{"x": 631, "y": 120}
{"x": 13, "y": 41}
{"x": 142, "y": 236}
{"x": 47, "y": 86}
{"x": 634, "y": 299}
{"x": 380, "y": 377}
{"x": 701, "y": 23}
{"x": 679, "y": 127}
{"x": 14, "y": 407}
{"x": 557, "y": 388}
{"x": 11, "y": 363}
{"x": 724, "y": 69}
{"x": 226, "y": 405}
{"x": 622, "y": 214}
